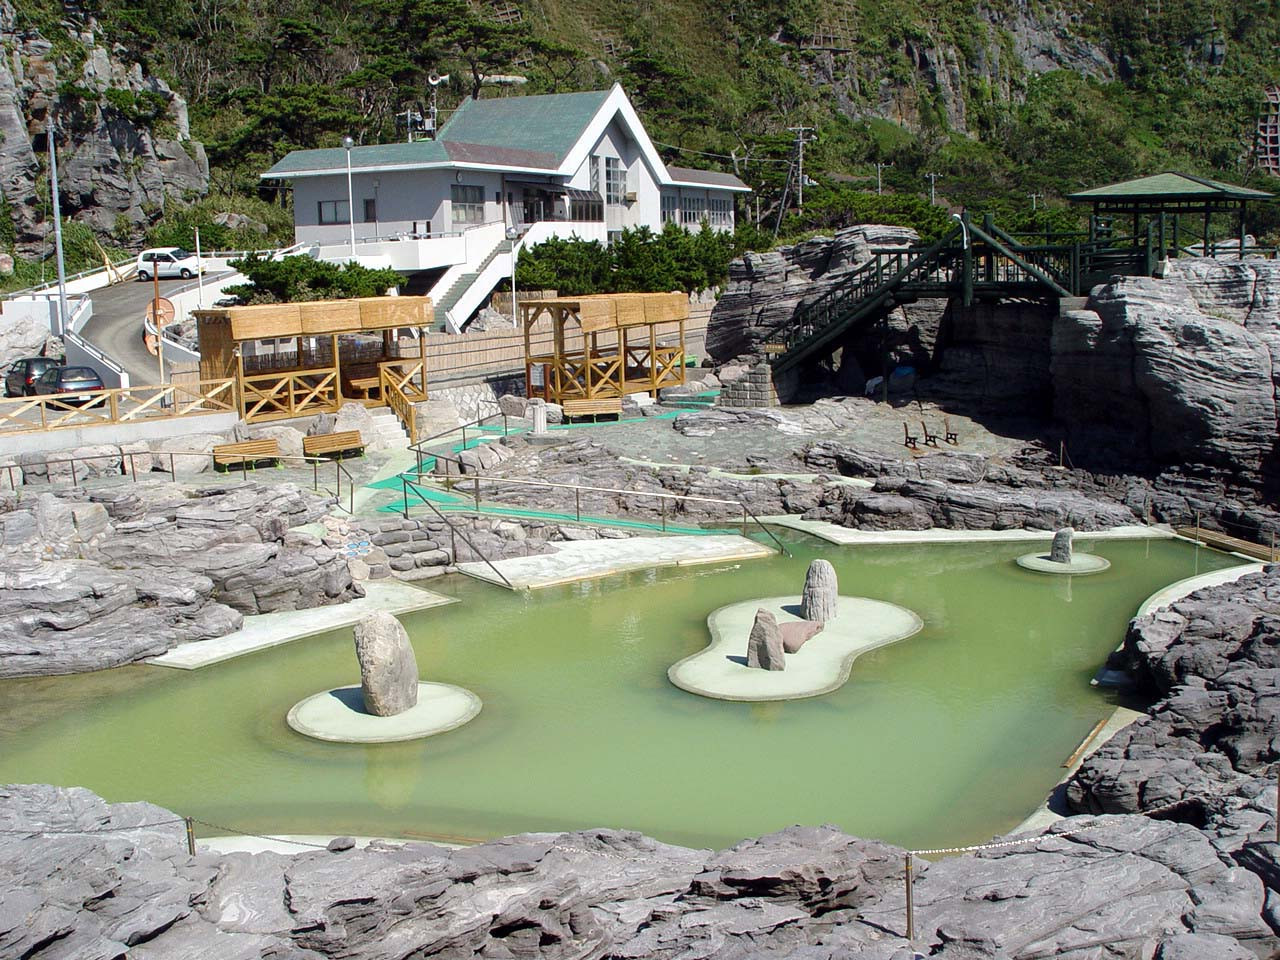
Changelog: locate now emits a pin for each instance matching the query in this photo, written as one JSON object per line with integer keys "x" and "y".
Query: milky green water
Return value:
{"x": 949, "y": 737}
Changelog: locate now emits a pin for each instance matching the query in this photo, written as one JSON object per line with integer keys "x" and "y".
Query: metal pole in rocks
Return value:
{"x": 577, "y": 504}
{"x": 191, "y": 836}
{"x": 1197, "y": 525}
{"x": 911, "y": 907}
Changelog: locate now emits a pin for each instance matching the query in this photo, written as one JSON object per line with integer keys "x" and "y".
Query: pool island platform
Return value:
{"x": 820, "y": 666}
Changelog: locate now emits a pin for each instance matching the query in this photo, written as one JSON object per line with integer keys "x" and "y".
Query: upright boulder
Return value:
{"x": 388, "y": 667}
{"x": 1060, "y": 552}
{"x": 821, "y": 591}
{"x": 764, "y": 648}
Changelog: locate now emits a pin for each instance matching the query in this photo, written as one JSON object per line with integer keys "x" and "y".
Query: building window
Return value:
{"x": 670, "y": 208}
{"x": 586, "y": 208}
{"x": 370, "y": 210}
{"x": 468, "y": 203}
{"x": 613, "y": 236}
{"x": 335, "y": 211}
{"x": 721, "y": 212}
{"x": 595, "y": 173}
{"x": 692, "y": 210}
{"x": 615, "y": 180}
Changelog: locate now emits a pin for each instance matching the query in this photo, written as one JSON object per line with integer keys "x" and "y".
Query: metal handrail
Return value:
{"x": 245, "y": 460}
{"x": 418, "y": 446}
{"x": 405, "y": 484}
{"x": 578, "y": 489}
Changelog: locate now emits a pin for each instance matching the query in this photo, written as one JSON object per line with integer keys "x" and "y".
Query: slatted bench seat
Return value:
{"x": 592, "y": 408}
{"x": 343, "y": 442}
{"x": 245, "y": 454}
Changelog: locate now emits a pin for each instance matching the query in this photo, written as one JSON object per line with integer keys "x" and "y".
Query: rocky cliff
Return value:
{"x": 1177, "y": 372}
{"x": 124, "y": 147}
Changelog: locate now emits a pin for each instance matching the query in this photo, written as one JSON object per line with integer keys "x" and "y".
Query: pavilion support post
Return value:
{"x": 422, "y": 356}
{"x": 240, "y": 392}
{"x": 1204, "y": 248}
{"x": 557, "y": 347}
{"x": 337, "y": 373}
{"x": 622, "y": 362}
{"x": 528, "y": 353}
{"x": 681, "y": 378}
{"x": 1240, "y": 250}
{"x": 653, "y": 361}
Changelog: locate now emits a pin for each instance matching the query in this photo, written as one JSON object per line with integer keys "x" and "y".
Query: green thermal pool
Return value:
{"x": 949, "y": 737}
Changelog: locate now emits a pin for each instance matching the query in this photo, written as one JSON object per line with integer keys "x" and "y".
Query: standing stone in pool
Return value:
{"x": 764, "y": 648}
{"x": 1060, "y": 552}
{"x": 818, "y": 602}
{"x": 388, "y": 667}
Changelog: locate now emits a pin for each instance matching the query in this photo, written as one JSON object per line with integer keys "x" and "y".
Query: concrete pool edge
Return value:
{"x": 1180, "y": 589}
{"x": 817, "y": 669}
{"x": 263, "y": 631}
{"x": 847, "y": 536}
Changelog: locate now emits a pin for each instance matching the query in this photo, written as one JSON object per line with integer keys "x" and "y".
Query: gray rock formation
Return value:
{"x": 388, "y": 666}
{"x": 95, "y": 579}
{"x": 23, "y": 336}
{"x": 1214, "y": 657}
{"x": 114, "y": 169}
{"x": 1060, "y": 551}
{"x": 1120, "y": 887}
{"x": 821, "y": 592}
{"x": 764, "y": 645}
{"x": 765, "y": 289}
{"x": 1152, "y": 374}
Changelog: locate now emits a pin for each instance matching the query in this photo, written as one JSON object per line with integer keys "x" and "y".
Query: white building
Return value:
{"x": 445, "y": 211}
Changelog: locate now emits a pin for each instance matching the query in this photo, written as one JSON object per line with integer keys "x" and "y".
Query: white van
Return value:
{"x": 167, "y": 262}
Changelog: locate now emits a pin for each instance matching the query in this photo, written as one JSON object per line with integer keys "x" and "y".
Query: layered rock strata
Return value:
{"x": 95, "y": 579}
{"x": 1114, "y": 886}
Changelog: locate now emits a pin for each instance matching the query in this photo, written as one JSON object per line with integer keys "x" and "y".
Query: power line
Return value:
{"x": 719, "y": 156}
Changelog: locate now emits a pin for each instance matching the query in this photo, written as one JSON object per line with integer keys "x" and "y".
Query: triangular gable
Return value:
{"x": 616, "y": 106}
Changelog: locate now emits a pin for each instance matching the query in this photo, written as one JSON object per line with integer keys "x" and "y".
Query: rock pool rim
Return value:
{"x": 1080, "y": 564}
{"x": 337, "y": 716}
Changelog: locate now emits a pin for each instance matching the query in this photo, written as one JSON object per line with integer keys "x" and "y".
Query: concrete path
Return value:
{"x": 590, "y": 559}
{"x": 273, "y": 629}
{"x": 116, "y": 325}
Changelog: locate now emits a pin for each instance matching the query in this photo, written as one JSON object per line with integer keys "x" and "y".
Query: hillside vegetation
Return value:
{"x": 1000, "y": 99}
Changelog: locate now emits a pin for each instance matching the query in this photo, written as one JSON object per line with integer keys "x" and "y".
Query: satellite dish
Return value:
{"x": 166, "y": 311}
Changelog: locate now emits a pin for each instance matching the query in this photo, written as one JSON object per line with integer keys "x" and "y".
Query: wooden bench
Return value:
{"x": 245, "y": 454}
{"x": 346, "y": 441}
{"x": 592, "y": 408}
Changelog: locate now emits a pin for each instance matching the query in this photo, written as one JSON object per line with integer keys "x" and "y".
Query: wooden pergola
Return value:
{"x": 299, "y": 359}
{"x": 606, "y": 346}
{"x": 1165, "y": 201}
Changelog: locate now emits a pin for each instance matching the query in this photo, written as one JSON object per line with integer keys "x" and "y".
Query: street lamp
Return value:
{"x": 348, "y": 143}
{"x": 964, "y": 228}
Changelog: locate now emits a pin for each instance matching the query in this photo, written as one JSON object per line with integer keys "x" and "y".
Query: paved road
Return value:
{"x": 116, "y": 325}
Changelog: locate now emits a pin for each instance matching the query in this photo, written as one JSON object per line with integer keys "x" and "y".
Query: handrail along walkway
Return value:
{"x": 406, "y": 484}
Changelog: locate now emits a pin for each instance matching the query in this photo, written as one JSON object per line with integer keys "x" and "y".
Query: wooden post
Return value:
{"x": 911, "y": 907}
{"x": 653, "y": 361}
{"x": 337, "y": 373}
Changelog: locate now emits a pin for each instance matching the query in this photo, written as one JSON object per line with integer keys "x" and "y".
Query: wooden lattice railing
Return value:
{"x": 294, "y": 393}
{"x": 122, "y": 405}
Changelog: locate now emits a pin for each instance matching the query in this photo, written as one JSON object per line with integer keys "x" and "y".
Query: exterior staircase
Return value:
{"x": 390, "y": 430}
{"x": 459, "y": 288}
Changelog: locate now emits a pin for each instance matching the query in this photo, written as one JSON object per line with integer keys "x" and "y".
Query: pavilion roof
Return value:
{"x": 1169, "y": 187}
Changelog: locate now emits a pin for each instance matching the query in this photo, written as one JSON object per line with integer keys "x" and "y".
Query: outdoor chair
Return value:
{"x": 907, "y": 439}
{"x": 951, "y": 436}
{"x": 930, "y": 439}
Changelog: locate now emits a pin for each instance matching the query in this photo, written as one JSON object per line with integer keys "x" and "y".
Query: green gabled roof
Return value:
{"x": 549, "y": 124}
{"x": 1170, "y": 186}
{"x": 376, "y": 155}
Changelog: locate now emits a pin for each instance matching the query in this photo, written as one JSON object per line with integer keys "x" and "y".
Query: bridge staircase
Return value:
{"x": 970, "y": 262}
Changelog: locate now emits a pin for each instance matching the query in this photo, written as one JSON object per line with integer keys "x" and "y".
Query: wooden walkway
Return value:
{"x": 1224, "y": 541}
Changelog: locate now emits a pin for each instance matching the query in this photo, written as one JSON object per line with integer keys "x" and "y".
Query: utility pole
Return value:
{"x": 933, "y": 181}
{"x": 880, "y": 166}
{"x": 803, "y": 136}
{"x": 1034, "y": 197}
{"x": 57, "y": 227}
